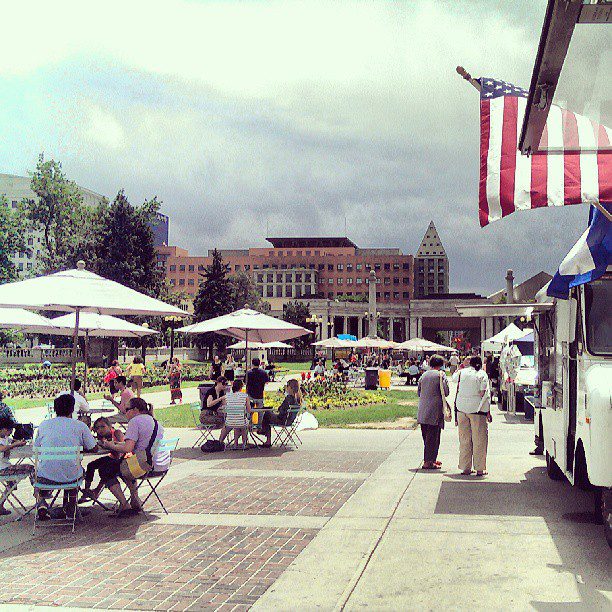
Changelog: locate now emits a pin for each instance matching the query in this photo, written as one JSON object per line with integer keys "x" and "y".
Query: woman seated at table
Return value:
{"x": 293, "y": 398}
{"x": 141, "y": 433}
{"x": 213, "y": 401}
{"x": 237, "y": 409}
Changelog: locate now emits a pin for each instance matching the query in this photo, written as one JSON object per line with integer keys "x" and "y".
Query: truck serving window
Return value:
{"x": 598, "y": 319}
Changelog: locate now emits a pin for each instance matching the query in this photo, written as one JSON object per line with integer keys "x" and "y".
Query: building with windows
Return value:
{"x": 160, "y": 230}
{"x": 17, "y": 188}
{"x": 430, "y": 265}
{"x": 291, "y": 268}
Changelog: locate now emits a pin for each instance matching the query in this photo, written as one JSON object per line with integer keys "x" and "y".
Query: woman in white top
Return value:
{"x": 473, "y": 415}
{"x": 237, "y": 409}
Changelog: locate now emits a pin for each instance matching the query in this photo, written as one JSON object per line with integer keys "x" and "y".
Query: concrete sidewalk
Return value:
{"x": 346, "y": 521}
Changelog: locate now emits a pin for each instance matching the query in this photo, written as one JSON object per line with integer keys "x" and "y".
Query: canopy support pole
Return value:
{"x": 75, "y": 348}
{"x": 85, "y": 357}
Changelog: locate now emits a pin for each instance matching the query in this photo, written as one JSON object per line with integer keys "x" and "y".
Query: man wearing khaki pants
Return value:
{"x": 472, "y": 406}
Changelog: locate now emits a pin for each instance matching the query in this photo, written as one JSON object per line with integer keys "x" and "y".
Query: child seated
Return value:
{"x": 6, "y": 468}
{"x": 237, "y": 407}
{"x": 104, "y": 431}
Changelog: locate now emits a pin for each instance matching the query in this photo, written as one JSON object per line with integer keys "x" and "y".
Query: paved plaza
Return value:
{"x": 347, "y": 521}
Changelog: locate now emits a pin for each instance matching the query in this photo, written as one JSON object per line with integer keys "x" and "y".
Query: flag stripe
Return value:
{"x": 493, "y": 158}
{"x": 522, "y": 174}
{"x": 589, "y": 181}
{"x": 485, "y": 127}
{"x": 508, "y": 155}
{"x": 571, "y": 159}
{"x": 539, "y": 173}
{"x": 604, "y": 164}
{"x": 556, "y": 166}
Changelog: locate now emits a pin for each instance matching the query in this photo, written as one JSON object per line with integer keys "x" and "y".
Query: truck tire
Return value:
{"x": 552, "y": 469}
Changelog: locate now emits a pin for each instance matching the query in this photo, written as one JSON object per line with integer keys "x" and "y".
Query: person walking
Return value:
{"x": 136, "y": 371}
{"x": 472, "y": 416}
{"x": 174, "y": 378}
{"x": 432, "y": 390}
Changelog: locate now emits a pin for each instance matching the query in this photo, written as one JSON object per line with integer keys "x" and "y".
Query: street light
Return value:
{"x": 318, "y": 321}
{"x": 172, "y": 320}
{"x": 144, "y": 344}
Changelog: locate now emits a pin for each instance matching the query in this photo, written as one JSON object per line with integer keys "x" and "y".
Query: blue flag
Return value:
{"x": 589, "y": 257}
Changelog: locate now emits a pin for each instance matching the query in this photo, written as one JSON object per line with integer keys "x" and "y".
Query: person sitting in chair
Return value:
{"x": 293, "y": 397}
{"x": 213, "y": 401}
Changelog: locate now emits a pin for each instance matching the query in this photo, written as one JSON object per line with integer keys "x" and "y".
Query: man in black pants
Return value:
{"x": 256, "y": 380}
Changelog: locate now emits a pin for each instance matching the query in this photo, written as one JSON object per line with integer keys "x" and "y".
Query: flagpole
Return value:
{"x": 461, "y": 71}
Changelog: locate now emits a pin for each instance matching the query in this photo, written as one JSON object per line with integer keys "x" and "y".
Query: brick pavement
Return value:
{"x": 149, "y": 567}
{"x": 244, "y": 495}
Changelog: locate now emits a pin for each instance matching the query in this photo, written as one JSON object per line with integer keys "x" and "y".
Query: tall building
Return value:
{"x": 301, "y": 267}
{"x": 430, "y": 265}
{"x": 160, "y": 230}
{"x": 17, "y": 188}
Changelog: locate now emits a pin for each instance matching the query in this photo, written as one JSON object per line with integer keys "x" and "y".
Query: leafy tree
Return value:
{"x": 360, "y": 297}
{"x": 12, "y": 238}
{"x": 214, "y": 297}
{"x": 297, "y": 312}
{"x": 244, "y": 291}
{"x": 124, "y": 244}
{"x": 59, "y": 213}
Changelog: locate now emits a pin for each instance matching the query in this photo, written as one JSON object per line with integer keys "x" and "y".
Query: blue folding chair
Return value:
{"x": 206, "y": 431}
{"x": 286, "y": 433}
{"x": 63, "y": 454}
{"x": 8, "y": 488}
{"x": 153, "y": 479}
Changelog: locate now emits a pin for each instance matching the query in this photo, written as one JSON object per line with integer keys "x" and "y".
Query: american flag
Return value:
{"x": 571, "y": 168}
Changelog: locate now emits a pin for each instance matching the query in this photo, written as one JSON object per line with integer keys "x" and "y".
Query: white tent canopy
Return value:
{"x": 424, "y": 346}
{"x": 334, "y": 343}
{"x": 506, "y": 335}
{"x": 81, "y": 290}
{"x": 259, "y": 345}
{"x": 25, "y": 321}
{"x": 249, "y": 325}
{"x": 379, "y": 343}
{"x": 105, "y": 326}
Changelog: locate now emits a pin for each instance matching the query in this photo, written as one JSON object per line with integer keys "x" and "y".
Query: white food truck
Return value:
{"x": 573, "y": 359}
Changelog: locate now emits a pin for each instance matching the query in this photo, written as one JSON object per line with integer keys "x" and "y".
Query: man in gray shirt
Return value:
{"x": 431, "y": 410}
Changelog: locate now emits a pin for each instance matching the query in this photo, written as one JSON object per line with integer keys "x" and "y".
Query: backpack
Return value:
{"x": 212, "y": 446}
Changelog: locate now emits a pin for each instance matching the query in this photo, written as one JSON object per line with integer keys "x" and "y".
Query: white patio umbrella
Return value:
{"x": 25, "y": 321}
{"x": 92, "y": 324}
{"x": 81, "y": 291}
{"x": 259, "y": 345}
{"x": 248, "y": 325}
{"x": 422, "y": 345}
{"x": 376, "y": 342}
{"x": 334, "y": 343}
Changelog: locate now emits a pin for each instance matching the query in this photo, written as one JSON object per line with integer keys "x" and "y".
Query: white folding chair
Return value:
{"x": 287, "y": 434}
{"x": 57, "y": 453}
{"x": 154, "y": 479}
{"x": 8, "y": 487}
{"x": 206, "y": 431}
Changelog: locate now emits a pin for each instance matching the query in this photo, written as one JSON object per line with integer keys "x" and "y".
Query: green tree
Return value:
{"x": 360, "y": 297}
{"x": 124, "y": 244}
{"x": 59, "y": 213}
{"x": 244, "y": 291}
{"x": 214, "y": 297}
{"x": 297, "y": 312}
{"x": 12, "y": 238}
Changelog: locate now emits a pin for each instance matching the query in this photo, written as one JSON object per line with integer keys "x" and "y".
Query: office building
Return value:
{"x": 160, "y": 230}
{"x": 430, "y": 265}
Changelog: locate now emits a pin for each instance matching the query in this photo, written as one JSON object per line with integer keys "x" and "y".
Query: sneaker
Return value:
{"x": 4, "y": 511}
{"x": 43, "y": 513}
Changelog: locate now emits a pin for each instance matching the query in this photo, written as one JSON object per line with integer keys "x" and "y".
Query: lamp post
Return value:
{"x": 318, "y": 323}
{"x": 144, "y": 344}
{"x": 171, "y": 320}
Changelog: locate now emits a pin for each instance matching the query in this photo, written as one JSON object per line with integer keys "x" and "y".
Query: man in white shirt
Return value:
{"x": 80, "y": 403}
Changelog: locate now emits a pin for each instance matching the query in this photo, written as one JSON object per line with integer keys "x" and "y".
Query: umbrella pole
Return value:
{"x": 85, "y": 357}
{"x": 75, "y": 347}
{"x": 171, "y": 342}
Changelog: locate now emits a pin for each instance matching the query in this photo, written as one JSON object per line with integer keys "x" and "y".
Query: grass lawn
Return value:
{"x": 180, "y": 415}
{"x": 20, "y": 403}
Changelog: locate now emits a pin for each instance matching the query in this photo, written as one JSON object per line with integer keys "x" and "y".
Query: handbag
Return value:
{"x": 445, "y": 407}
{"x": 141, "y": 462}
{"x": 456, "y": 396}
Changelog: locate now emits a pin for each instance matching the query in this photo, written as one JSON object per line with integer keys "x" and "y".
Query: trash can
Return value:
{"x": 384, "y": 379}
{"x": 371, "y": 379}
{"x": 203, "y": 389}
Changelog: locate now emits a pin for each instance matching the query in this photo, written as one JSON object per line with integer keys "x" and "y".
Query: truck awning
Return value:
{"x": 502, "y": 310}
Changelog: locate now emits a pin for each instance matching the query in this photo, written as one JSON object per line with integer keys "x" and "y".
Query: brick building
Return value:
{"x": 293, "y": 268}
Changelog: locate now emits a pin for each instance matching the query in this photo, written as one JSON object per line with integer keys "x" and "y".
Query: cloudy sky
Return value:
{"x": 242, "y": 116}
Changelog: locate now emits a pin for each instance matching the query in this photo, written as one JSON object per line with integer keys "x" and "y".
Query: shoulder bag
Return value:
{"x": 141, "y": 462}
{"x": 456, "y": 396}
{"x": 445, "y": 406}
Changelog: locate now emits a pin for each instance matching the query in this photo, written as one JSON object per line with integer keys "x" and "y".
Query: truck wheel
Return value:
{"x": 603, "y": 511}
{"x": 552, "y": 469}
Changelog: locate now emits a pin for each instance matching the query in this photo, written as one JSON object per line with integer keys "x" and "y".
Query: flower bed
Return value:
{"x": 330, "y": 394}
{"x": 38, "y": 382}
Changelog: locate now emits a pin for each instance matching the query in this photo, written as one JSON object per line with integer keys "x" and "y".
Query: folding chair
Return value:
{"x": 58, "y": 453}
{"x": 153, "y": 479}
{"x": 206, "y": 431}
{"x": 8, "y": 488}
{"x": 287, "y": 434}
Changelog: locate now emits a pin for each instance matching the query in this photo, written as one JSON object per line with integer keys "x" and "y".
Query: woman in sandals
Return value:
{"x": 430, "y": 416}
{"x": 473, "y": 415}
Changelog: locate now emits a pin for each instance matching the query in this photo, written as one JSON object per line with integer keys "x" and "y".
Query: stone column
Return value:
{"x": 391, "y": 322}
{"x": 325, "y": 326}
{"x": 483, "y": 329}
{"x": 419, "y": 327}
{"x": 372, "y": 305}
{"x": 407, "y": 328}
